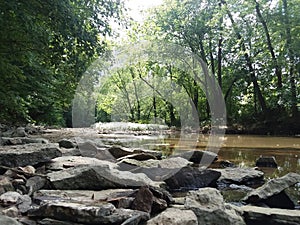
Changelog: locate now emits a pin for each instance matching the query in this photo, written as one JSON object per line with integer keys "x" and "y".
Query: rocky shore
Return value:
{"x": 64, "y": 181}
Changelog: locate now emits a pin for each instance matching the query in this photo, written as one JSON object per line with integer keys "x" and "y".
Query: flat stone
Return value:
{"x": 210, "y": 209}
{"x": 30, "y": 154}
{"x": 168, "y": 163}
{"x": 23, "y": 141}
{"x": 48, "y": 221}
{"x": 97, "y": 178}
{"x": 101, "y": 213}
{"x": 173, "y": 216}
{"x": 119, "y": 152}
{"x": 138, "y": 156}
{"x": 83, "y": 196}
{"x": 272, "y": 192}
{"x": 65, "y": 162}
{"x": 270, "y": 216}
{"x": 240, "y": 176}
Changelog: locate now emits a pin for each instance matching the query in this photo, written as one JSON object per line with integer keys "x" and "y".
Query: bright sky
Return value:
{"x": 137, "y": 6}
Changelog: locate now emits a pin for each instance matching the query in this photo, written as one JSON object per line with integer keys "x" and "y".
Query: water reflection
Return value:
{"x": 244, "y": 150}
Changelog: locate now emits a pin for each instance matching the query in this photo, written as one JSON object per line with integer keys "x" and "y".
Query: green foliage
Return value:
{"x": 45, "y": 46}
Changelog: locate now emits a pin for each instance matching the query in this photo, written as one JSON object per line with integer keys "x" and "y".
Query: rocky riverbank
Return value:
{"x": 50, "y": 177}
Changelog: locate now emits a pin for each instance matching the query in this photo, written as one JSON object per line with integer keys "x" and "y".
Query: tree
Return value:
{"x": 45, "y": 48}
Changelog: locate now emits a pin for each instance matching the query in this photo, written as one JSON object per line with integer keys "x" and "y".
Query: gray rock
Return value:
{"x": 48, "y": 221}
{"x": 31, "y": 154}
{"x": 173, "y": 216}
{"x": 210, "y": 209}
{"x": 19, "y": 132}
{"x": 65, "y": 162}
{"x": 10, "y": 198}
{"x": 64, "y": 143}
{"x": 35, "y": 183}
{"x": 11, "y": 211}
{"x": 70, "y": 152}
{"x": 5, "y": 185}
{"x": 169, "y": 163}
{"x": 268, "y": 216}
{"x": 101, "y": 213}
{"x": 191, "y": 178}
{"x": 23, "y": 141}
{"x": 143, "y": 200}
{"x": 97, "y": 178}
{"x": 198, "y": 156}
{"x": 5, "y": 220}
{"x": 139, "y": 157}
{"x": 240, "y": 176}
{"x": 272, "y": 193}
{"x": 23, "y": 202}
{"x": 119, "y": 152}
{"x": 266, "y": 161}
{"x": 81, "y": 196}
{"x": 91, "y": 149}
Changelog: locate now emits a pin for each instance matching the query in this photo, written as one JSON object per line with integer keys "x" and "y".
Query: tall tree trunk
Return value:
{"x": 253, "y": 77}
{"x": 278, "y": 71}
{"x": 291, "y": 57}
{"x": 220, "y": 45}
{"x": 136, "y": 95}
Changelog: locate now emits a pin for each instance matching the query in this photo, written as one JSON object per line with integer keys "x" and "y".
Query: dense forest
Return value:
{"x": 251, "y": 48}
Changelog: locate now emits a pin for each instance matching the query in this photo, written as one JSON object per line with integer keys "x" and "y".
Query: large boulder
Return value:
{"x": 272, "y": 193}
{"x": 100, "y": 213}
{"x": 31, "y": 154}
{"x": 191, "y": 178}
{"x": 174, "y": 216}
{"x": 97, "y": 178}
{"x": 270, "y": 216}
{"x": 240, "y": 176}
{"x": 210, "y": 209}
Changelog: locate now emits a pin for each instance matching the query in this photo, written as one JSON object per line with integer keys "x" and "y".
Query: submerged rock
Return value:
{"x": 30, "y": 154}
{"x": 272, "y": 193}
{"x": 266, "y": 161}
